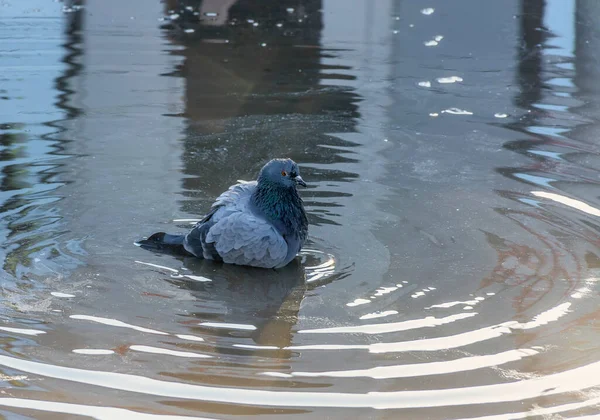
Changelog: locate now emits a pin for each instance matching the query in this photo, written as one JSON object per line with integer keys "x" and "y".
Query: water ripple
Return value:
{"x": 116, "y": 323}
{"x": 427, "y": 322}
{"x": 577, "y": 379}
{"x": 421, "y": 369}
{"x": 97, "y": 412}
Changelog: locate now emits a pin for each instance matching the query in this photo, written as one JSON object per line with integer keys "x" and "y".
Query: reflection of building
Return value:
{"x": 125, "y": 146}
{"x": 552, "y": 64}
{"x": 243, "y": 77}
{"x": 31, "y": 135}
{"x": 248, "y": 89}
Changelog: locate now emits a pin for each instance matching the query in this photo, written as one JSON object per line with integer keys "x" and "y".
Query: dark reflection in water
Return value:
{"x": 529, "y": 79}
{"x": 530, "y": 54}
{"x": 32, "y": 172}
{"x": 254, "y": 92}
{"x": 269, "y": 298}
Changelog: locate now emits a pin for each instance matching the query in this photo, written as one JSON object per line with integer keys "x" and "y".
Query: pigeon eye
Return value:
{"x": 283, "y": 173}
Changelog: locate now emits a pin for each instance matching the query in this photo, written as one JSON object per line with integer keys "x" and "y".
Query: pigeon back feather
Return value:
{"x": 234, "y": 234}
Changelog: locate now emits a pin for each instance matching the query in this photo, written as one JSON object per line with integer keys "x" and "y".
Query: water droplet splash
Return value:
{"x": 319, "y": 266}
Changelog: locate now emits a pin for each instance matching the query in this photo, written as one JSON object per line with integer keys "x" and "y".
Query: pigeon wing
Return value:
{"x": 235, "y": 199}
{"x": 245, "y": 239}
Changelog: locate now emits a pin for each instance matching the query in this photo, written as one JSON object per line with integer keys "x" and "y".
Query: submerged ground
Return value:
{"x": 452, "y": 154}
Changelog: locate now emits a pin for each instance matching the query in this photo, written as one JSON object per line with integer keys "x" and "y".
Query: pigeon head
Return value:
{"x": 281, "y": 172}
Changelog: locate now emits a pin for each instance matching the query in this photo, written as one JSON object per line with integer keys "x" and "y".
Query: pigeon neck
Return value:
{"x": 281, "y": 205}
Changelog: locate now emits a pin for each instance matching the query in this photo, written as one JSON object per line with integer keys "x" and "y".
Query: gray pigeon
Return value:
{"x": 260, "y": 223}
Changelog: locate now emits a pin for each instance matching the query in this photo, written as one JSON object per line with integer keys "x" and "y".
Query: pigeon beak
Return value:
{"x": 300, "y": 181}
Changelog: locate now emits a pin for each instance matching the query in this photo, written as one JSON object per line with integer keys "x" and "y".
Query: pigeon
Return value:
{"x": 260, "y": 223}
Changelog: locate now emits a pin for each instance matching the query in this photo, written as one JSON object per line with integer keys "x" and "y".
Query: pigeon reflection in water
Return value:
{"x": 267, "y": 301}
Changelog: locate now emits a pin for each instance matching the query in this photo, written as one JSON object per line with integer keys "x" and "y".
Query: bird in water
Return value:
{"x": 260, "y": 223}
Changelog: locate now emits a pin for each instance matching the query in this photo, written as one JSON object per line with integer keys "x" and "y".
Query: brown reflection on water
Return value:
{"x": 534, "y": 271}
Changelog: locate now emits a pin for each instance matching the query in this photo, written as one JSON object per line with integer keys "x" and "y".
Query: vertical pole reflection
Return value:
{"x": 529, "y": 69}
{"x": 74, "y": 23}
{"x": 532, "y": 35}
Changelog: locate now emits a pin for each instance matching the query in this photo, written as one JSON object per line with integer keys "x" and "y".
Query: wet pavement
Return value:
{"x": 452, "y": 160}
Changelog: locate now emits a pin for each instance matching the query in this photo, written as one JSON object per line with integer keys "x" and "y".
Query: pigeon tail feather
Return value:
{"x": 164, "y": 242}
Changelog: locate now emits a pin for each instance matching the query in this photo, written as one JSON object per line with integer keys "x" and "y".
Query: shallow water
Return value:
{"x": 451, "y": 151}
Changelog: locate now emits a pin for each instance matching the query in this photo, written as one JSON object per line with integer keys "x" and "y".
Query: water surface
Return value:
{"x": 450, "y": 148}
